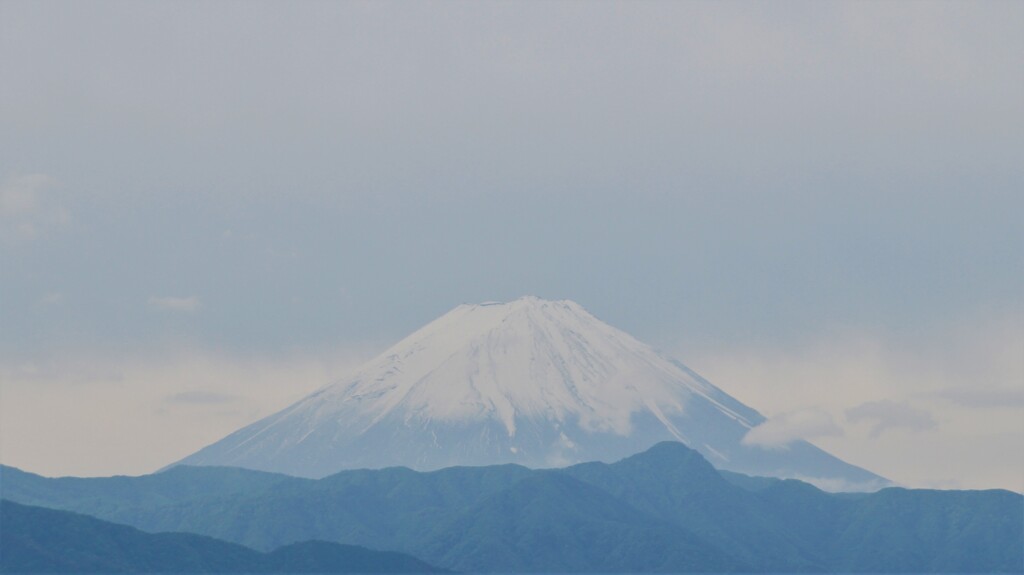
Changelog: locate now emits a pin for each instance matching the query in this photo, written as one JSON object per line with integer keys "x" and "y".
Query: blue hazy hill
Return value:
{"x": 39, "y": 540}
{"x": 666, "y": 509}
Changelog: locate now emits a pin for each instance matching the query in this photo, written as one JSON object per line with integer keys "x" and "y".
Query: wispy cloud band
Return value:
{"x": 183, "y": 304}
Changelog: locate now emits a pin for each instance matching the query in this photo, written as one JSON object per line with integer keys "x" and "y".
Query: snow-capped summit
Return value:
{"x": 525, "y": 360}
{"x": 535, "y": 382}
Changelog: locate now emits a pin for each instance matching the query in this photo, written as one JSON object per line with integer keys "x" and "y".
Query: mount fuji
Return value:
{"x": 533, "y": 382}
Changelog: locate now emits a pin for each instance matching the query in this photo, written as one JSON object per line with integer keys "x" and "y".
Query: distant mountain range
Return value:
{"x": 663, "y": 510}
{"x": 38, "y": 540}
{"x": 532, "y": 382}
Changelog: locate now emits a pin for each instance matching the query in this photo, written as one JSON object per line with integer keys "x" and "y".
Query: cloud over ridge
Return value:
{"x": 779, "y": 431}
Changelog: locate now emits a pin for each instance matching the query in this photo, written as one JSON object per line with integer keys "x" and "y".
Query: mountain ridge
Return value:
{"x": 665, "y": 502}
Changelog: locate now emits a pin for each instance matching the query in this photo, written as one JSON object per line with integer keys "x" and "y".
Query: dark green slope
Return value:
{"x": 34, "y": 539}
{"x": 39, "y": 540}
{"x": 748, "y": 482}
{"x": 320, "y": 556}
{"x": 401, "y": 508}
{"x": 924, "y": 530}
{"x": 552, "y": 522}
{"x": 804, "y": 513}
{"x": 386, "y": 508}
{"x": 676, "y": 484}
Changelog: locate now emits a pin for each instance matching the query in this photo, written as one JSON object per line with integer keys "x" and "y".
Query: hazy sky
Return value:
{"x": 208, "y": 210}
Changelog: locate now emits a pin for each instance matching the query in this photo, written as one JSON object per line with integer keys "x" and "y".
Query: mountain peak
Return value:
{"x": 524, "y": 360}
{"x": 525, "y": 300}
{"x": 531, "y": 381}
{"x": 669, "y": 457}
{"x": 470, "y": 320}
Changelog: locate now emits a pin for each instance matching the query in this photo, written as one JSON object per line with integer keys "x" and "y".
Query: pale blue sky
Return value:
{"x": 736, "y": 182}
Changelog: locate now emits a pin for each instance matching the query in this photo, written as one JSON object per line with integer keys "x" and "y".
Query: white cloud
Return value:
{"x": 184, "y": 304}
{"x": 28, "y": 209}
{"x": 783, "y": 429}
{"x": 965, "y": 375}
{"x": 20, "y": 195}
{"x": 836, "y": 485}
{"x": 887, "y": 414}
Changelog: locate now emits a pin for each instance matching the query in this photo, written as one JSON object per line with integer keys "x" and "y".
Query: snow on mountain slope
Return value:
{"x": 534, "y": 382}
